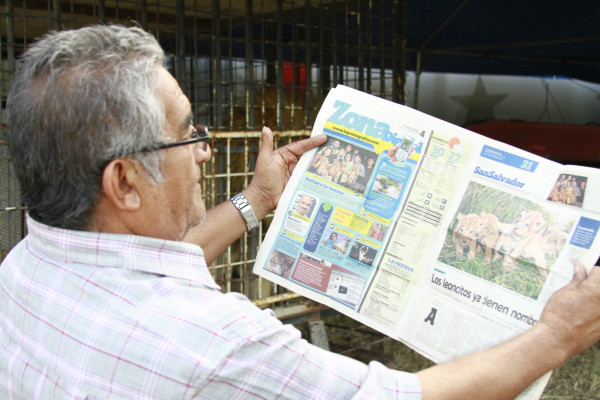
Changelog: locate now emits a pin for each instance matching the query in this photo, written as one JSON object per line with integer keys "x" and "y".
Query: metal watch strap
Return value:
{"x": 245, "y": 209}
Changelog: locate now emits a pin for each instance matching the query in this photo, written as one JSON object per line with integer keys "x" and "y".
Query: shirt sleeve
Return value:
{"x": 272, "y": 361}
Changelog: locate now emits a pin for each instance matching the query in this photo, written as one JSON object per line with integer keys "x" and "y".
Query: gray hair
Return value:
{"x": 79, "y": 99}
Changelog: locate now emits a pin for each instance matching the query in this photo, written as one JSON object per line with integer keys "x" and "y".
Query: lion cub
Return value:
{"x": 546, "y": 242}
{"x": 488, "y": 233}
{"x": 524, "y": 229}
{"x": 465, "y": 234}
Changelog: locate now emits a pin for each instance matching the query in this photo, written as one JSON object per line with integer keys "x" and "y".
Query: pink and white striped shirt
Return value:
{"x": 93, "y": 316}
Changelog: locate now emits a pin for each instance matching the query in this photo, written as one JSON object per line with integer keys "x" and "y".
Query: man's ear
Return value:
{"x": 121, "y": 184}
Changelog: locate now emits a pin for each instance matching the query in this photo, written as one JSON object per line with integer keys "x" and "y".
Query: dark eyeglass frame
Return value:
{"x": 197, "y": 137}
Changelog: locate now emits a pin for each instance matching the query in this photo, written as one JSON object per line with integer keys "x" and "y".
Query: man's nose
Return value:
{"x": 202, "y": 152}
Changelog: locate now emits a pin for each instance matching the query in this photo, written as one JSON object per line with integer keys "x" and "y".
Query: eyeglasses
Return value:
{"x": 199, "y": 134}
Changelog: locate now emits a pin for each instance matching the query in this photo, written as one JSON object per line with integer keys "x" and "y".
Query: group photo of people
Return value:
{"x": 342, "y": 163}
{"x": 569, "y": 190}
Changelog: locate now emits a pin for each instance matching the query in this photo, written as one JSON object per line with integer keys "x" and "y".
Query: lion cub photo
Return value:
{"x": 526, "y": 237}
{"x": 511, "y": 241}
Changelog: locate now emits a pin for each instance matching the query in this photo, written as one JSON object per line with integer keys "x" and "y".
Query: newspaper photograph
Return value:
{"x": 432, "y": 234}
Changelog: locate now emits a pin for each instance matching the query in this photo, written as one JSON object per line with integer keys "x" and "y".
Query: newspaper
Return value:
{"x": 432, "y": 234}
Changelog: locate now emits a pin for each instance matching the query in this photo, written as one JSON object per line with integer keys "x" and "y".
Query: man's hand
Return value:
{"x": 223, "y": 223}
{"x": 273, "y": 170}
{"x": 573, "y": 313}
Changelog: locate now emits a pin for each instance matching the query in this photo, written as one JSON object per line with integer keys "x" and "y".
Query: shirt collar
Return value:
{"x": 146, "y": 254}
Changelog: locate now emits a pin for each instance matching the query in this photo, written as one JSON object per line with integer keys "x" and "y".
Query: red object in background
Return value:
{"x": 558, "y": 142}
{"x": 294, "y": 75}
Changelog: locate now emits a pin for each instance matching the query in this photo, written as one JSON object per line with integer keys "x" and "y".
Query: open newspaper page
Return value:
{"x": 432, "y": 234}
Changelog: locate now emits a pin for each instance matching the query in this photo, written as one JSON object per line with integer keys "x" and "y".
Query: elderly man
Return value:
{"x": 109, "y": 295}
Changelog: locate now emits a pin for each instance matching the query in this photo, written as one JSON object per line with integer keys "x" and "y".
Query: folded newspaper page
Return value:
{"x": 432, "y": 234}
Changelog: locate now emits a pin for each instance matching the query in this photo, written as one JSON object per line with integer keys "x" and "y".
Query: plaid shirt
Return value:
{"x": 93, "y": 315}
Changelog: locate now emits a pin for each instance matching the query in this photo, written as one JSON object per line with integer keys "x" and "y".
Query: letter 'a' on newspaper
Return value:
{"x": 432, "y": 234}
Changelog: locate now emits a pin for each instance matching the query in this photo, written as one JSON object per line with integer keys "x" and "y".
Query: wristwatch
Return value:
{"x": 245, "y": 209}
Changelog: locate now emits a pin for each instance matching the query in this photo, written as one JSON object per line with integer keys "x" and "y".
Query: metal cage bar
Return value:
{"x": 243, "y": 65}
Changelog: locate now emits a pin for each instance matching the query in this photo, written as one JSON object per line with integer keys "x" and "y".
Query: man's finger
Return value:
{"x": 302, "y": 146}
{"x": 579, "y": 273}
{"x": 266, "y": 145}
